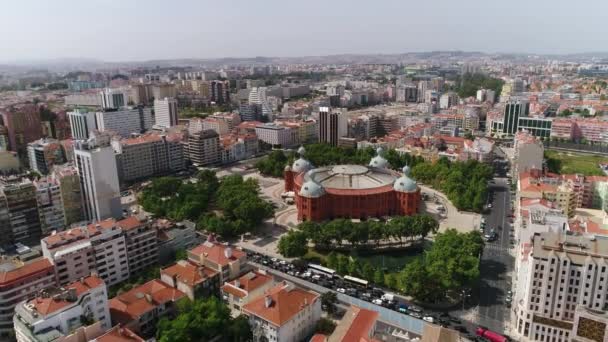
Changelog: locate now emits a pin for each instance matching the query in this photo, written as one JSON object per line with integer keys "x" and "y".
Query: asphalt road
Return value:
{"x": 496, "y": 262}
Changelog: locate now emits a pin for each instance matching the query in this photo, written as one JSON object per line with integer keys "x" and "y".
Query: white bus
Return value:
{"x": 323, "y": 270}
{"x": 356, "y": 281}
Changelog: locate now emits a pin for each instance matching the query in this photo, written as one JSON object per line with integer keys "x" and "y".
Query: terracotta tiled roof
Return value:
{"x": 129, "y": 223}
{"x": 246, "y": 283}
{"x": 285, "y": 302}
{"x": 46, "y": 306}
{"x": 27, "y": 270}
{"x": 361, "y": 325}
{"x": 78, "y": 233}
{"x": 217, "y": 253}
{"x": 118, "y": 334}
{"x": 318, "y": 338}
{"x": 189, "y": 273}
{"x": 142, "y": 299}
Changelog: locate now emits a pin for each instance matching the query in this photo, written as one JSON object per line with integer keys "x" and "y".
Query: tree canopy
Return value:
{"x": 238, "y": 201}
{"x": 450, "y": 265}
{"x": 468, "y": 84}
{"x": 464, "y": 183}
{"x": 203, "y": 320}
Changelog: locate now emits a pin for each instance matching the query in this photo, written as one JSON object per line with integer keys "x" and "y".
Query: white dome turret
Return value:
{"x": 301, "y": 165}
{"x": 379, "y": 161}
{"x": 405, "y": 183}
{"x": 311, "y": 189}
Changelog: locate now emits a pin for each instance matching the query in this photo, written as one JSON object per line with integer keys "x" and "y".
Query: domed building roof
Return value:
{"x": 301, "y": 165}
{"x": 405, "y": 183}
{"x": 311, "y": 189}
{"x": 379, "y": 161}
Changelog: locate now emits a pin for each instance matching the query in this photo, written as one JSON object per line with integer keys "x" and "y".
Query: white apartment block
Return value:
{"x": 125, "y": 121}
{"x": 113, "y": 98}
{"x": 558, "y": 273}
{"x": 56, "y": 312}
{"x": 97, "y": 247}
{"x": 50, "y": 205}
{"x": 98, "y": 174}
{"x": 20, "y": 281}
{"x": 148, "y": 155}
{"x": 165, "y": 112}
{"x": 277, "y": 135}
{"x": 284, "y": 313}
{"x": 82, "y": 123}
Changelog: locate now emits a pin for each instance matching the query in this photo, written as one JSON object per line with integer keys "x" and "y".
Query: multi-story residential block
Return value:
{"x": 161, "y": 91}
{"x": 558, "y": 275}
{"x": 194, "y": 281}
{"x": 125, "y": 121}
{"x": 246, "y": 288}
{"x": 448, "y": 100}
{"x": 20, "y": 281}
{"x": 231, "y": 119}
{"x": 277, "y": 135}
{"x": 71, "y": 194}
{"x": 50, "y": 205}
{"x": 148, "y": 155}
{"x": 284, "y": 313}
{"x": 204, "y": 148}
{"x": 19, "y": 215}
{"x": 83, "y": 100}
{"x": 114, "y": 98}
{"x": 174, "y": 237}
{"x": 82, "y": 123}
{"x": 56, "y": 312}
{"x": 333, "y": 125}
{"x": 140, "y": 308}
{"x": 116, "y": 334}
{"x": 98, "y": 174}
{"x": 43, "y": 154}
{"x": 229, "y": 262}
{"x": 165, "y": 112}
{"x": 23, "y": 125}
{"x": 141, "y": 242}
{"x": 357, "y": 324}
{"x": 528, "y": 153}
{"x": 220, "y": 126}
{"x": 238, "y": 147}
{"x": 486, "y": 95}
{"x": 97, "y": 247}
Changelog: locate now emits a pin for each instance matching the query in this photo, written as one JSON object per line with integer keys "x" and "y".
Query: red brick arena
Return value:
{"x": 351, "y": 191}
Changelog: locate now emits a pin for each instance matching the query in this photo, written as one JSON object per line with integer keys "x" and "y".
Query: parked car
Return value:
{"x": 429, "y": 319}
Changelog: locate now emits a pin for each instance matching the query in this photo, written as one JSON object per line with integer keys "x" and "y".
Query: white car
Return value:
{"x": 340, "y": 290}
{"x": 428, "y": 319}
{"x": 489, "y": 205}
{"x": 377, "y": 301}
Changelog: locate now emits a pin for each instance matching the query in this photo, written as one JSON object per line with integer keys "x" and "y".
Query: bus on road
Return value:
{"x": 323, "y": 270}
{"x": 356, "y": 281}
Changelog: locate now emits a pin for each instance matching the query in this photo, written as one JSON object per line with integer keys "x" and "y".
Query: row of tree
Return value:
{"x": 203, "y": 320}
{"x": 464, "y": 183}
{"x": 325, "y": 154}
{"x": 335, "y": 233}
{"x": 228, "y": 207}
{"x": 448, "y": 267}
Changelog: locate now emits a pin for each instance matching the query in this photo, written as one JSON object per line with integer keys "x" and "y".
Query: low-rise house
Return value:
{"x": 242, "y": 290}
{"x": 193, "y": 280}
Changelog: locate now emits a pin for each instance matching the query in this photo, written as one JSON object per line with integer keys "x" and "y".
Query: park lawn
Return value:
{"x": 586, "y": 164}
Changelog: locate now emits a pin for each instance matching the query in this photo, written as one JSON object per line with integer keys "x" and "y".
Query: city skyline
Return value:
{"x": 131, "y": 32}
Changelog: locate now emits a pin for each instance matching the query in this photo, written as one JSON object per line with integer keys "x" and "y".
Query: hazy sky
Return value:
{"x": 124, "y": 30}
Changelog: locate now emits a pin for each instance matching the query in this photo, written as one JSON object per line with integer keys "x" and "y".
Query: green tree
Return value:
{"x": 332, "y": 260}
{"x": 328, "y": 301}
{"x": 325, "y": 326}
{"x": 343, "y": 264}
{"x": 368, "y": 271}
{"x": 293, "y": 244}
{"x": 390, "y": 281}
{"x": 354, "y": 267}
{"x": 378, "y": 277}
